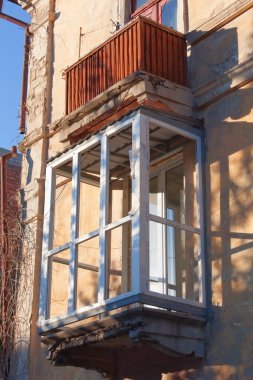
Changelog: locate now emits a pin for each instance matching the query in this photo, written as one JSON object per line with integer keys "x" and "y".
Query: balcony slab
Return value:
{"x": 171, "y": 339}
{"x": 136, "y": 90}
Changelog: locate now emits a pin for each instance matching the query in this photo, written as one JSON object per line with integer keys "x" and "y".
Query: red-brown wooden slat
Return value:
{"x": 165, "y": 54}
{"x": 126, "y": 54}
{"x": 67, "y": 94}
{"x": 108, "y": 65}
{"x": 93, "y": 78}
{"x": 176, "y": 59}
{"x": 148, "y": 48}
{"x": 181, "y": 60}
{"x": 84, "y": 83}
{"x": 138, "y": 45}
{"x": 154, "y": 50}
{"x": 130, "y": 51}
{"x": 75, "y": 87}
{"x": 135, "y": 48}
{"x": 185, "y": 80}
{"x": 88, "y": 79}
{"x": 103, "y": 68}
{"x": 72, "y": 90}
{"x": 121, "y": 57}
{"x": 112, "y": 59}
{"x": 159, "y": 52}
{"x": 142, "y": 44}
{"x": 170, "y": 54}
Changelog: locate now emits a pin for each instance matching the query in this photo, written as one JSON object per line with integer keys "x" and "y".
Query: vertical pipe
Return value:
{"x": 46, "y": 118}
{"x": 186, "y": 16}
{"x": 25, "y": 82}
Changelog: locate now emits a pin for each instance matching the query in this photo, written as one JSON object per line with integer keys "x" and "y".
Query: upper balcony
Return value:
{"x": 143, "y": 45}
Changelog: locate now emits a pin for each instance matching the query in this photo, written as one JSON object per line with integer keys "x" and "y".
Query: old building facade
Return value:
{"x": 137, "y": 180}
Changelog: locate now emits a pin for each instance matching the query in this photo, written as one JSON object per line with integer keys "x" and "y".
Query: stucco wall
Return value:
{"x": 216, "y": 64}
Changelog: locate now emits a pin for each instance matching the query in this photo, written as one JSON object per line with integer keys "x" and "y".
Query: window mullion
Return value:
{"x": 140, "y": 204}
{"x": 47, "y": 238}
{"x": 163, "y": 213}
{"x": 74, "y": 227}
{"x": 103, "y": 218}
{"x": 200, "y": 216}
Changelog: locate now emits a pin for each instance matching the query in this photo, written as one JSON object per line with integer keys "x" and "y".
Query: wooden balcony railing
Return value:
{"x": 142, "y": 45}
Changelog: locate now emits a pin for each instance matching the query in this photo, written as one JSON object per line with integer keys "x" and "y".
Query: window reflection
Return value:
{"x": 169, "y": 14}
{"x": 173, "y": 249}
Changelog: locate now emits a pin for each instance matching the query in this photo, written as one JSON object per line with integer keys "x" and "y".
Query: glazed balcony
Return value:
{"x": 142, "y": 45}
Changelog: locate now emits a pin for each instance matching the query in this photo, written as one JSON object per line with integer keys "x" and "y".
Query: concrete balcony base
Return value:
{"x": 162, "y": 341}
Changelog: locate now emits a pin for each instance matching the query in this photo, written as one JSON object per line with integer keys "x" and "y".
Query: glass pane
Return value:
{"x": 174, "y": 194}
{"x": 176, "y": 271}
{"x": 59, "y": 284}
{"x": 156, "y": 259}
{"x": 140, "y": 3}
{"x": 169, "y": 14}
{"x": 119, "y": 259}
{"x": 89, "y": 200}
{"x": 87, "y": 272}
{"x": 173, "y": 191}
{"x": 154, "y": 197}
{"x": 120, "y": 175}
{"x": 62, "y": 204}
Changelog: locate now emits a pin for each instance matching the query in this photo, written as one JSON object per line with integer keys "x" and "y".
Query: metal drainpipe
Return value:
{"x": 3, "y": 168}
{"x": 186, "y": 16}
{"x": 25, "y": 81}
{"x": 35, "y": 341}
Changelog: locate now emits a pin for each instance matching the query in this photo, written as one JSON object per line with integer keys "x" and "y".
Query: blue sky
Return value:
{"x": 11, "y": 66}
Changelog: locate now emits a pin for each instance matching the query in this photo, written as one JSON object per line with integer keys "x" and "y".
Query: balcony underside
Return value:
{"x": 132, "y": 339}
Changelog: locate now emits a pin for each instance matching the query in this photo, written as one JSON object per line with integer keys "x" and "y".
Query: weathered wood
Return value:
{"x": 141, "y": 45}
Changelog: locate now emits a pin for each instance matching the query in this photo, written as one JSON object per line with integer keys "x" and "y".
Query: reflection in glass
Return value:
{"x": 139, "y": 3}
{"x": 87, "y": 272}
{"x": 59, "y": 284}
{"x": 119, "y": 260}
{"x": 169, "y": 14}
{"x": 62, "y": 204}
{"x": 120, "y": 175}
{"x": 156, "y": 258}
{"x": 89, "y": 199}
{"x": 173, "y": 251}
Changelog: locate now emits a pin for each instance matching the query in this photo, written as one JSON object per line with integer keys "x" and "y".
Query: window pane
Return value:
{"x": 173, "y": 191}
{"x": 89, "y": 200}
{"x": 87, "y": 272}
{"x": 169, "y": 14}
{"x": 174, "y": 262}
{"x": 154, "y": 197}
{"x": 119, "y": 259}
{"x": 140, "y": 3}
{"x": 120, "y": 175}
{"x": 174, "y": 194}
{"x": 156, "y": 259}
{"x": 59, "y": 284}
{"x": 62, "y": 204}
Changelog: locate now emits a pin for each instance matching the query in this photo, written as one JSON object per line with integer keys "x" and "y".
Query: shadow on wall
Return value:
{"x": 213, "y": 57}
{"x": 229, "y": 211}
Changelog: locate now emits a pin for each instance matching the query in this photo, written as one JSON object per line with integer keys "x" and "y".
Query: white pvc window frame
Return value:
{"x": 138, "y": 216}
